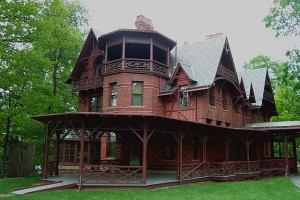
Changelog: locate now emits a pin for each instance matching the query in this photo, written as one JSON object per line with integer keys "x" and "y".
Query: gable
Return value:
{"x": 181, "y": 76}
{"x": 86, "y": 51}
{"x": 226, "y": 68}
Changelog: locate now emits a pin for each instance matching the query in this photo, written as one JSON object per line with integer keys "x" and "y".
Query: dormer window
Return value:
{"x": 183, "y": 97}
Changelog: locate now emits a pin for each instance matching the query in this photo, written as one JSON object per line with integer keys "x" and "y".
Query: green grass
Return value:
{"x": 269, "y": 188}
{"x": 8, "y": 184}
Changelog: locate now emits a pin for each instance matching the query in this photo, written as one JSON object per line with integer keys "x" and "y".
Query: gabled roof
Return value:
{"x": 91, "y": 38}
{"x": 256, "y": 77}
{"x": 200, "y": 61}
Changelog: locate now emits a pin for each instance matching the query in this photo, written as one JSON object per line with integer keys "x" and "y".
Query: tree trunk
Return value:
{"x": 5, "y": 148}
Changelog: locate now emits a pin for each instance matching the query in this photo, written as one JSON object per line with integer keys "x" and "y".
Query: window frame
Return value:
{"x": 113, "y": 95}
{"x": 133, "y": 95}
{"x": 184, "y": 97}
{"x": 97, "y": 107}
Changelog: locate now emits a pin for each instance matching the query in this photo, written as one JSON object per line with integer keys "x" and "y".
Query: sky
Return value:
{"x": 191, "y": 20}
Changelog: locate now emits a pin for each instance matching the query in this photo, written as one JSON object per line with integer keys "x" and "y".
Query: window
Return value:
{"x": 238, "y": 109}
{"x": 98, "y": 66}
{"x": 183, "y": 97}
{"x": 224, "y": 99}
{"x": 169, "y": 147}
{"x": 195, "y": 147}
{"x": 112, "y": 145}
{"x": 212, "y": 96}
{"x": 96, "y": 104}
{"x": 113, "y": 95}
{"x": 137, "y": 94}
{"x": 67, "y": 152}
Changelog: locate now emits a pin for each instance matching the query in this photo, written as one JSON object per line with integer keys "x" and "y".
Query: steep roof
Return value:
{"x": 200, "y": 61}
{"x": 256, "y": 77}
{"x": 91, "y": 38}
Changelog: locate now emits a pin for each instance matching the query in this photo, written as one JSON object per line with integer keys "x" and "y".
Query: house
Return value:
{"x": 149, "y": 109}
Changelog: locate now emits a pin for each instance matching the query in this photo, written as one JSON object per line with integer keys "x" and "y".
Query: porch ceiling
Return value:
{"x": 121, "y": 122}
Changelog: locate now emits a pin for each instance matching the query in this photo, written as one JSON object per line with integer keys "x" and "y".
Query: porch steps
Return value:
{"x": 52, "y": 186}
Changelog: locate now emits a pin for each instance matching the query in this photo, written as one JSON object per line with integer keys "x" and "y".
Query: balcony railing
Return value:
{"x": 227, "y": 74}
{"x": 144, "y": 65}
{"x": 89, "y": 83}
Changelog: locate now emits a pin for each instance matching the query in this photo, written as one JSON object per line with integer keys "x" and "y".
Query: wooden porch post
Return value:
{"x": 287, "y": 171}
{"x": 247, "y": 142}
{"x": 45, "y": 169}
{"x": 145, "y": 141}
{"x": 180, "y": 158}
{"x": 57, "y": 152}
{"x": 295, "y": 153}
{"x": 227, "y": 148}
{"x": 82, "y": 138}
{"x": 123, "y": 53}
{"x": 151, "y": 54}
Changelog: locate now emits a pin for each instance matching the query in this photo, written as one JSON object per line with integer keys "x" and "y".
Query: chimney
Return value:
{"x": 143, "y": 24}
{"x": 212, "y": 36}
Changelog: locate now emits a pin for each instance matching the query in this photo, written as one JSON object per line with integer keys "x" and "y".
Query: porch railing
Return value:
{"x": 89, "y": 83}
{"x": 230, "y": 168}
{"x": 112, "y": 174}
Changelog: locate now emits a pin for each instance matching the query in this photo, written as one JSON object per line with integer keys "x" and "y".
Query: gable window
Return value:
{"x": 96, "y": 104}
{"x": 168, "y": 147}
{"x": 113, "y": 94}
{"x": 238, "y": 109}
{"x": 211, "y": 96}
{"x": 98, "y": 66}
{"x": 224, "y": 99}
{"x": 183, "y": 97}
{"x": 137, "y": 94}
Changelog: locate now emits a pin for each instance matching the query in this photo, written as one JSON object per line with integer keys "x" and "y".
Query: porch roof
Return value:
{"x": 277, "y": 127}
{"x": 93, "y": 120}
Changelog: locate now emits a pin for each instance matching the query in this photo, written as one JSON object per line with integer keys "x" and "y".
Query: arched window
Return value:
{"x": 98, "y": 66}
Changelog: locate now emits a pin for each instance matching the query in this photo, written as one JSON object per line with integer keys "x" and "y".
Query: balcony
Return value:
{"x": 138, "y": 65}
{"x": 86, "y": 84}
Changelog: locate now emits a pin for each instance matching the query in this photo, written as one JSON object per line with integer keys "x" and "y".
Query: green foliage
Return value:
{"x": 41, "y": 41}
{"x": 284, "y": 17}
{"x": 270, "y": 188}
{"x": 261, "y": 61}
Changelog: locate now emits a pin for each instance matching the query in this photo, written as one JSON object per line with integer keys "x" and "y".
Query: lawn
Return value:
{"x": 269, "y": 188}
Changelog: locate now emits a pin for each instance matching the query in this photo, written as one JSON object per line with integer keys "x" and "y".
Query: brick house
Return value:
{"x": 146, "y": 105}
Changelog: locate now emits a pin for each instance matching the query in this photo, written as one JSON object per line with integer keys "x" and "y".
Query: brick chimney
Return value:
{"x": 143, "y": 24}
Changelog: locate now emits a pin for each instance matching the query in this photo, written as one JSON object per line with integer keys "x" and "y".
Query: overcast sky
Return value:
{"x": 191, "y": 20}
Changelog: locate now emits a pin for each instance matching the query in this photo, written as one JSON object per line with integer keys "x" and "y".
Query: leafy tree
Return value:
{"x": 284, "y": 17}
{"x": 36, "y": 64}
{"x": 261, "y": 61}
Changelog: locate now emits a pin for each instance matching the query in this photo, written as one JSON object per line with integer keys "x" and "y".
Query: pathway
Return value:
{"x": 295, "y": 179}
{"x": 64, "y": 182}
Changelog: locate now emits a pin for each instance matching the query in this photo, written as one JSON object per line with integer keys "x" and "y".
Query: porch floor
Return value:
{"x": 153, "y": 178}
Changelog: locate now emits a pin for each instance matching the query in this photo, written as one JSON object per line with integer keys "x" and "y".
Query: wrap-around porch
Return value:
{"x": 168, "y": 151}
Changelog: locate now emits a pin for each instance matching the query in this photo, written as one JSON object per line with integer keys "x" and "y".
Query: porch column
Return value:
{"x": 151, "y": 54}
{"x": 145, "y": 142}
{"x": 295, "y": 153}
{"x": 227, "y": 148}
{"x": 82, "y": 138}
{"x": 57, "y": 151}
{"x": 123, "y": 53}
{"x": 46, "y": 155}
{"x": 180, "y": 157}
{"x": 287, "y": 172}
{"x": 247, "y": 142}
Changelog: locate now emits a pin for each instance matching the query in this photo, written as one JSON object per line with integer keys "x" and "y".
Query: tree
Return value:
{"x": 284, "y": 17}
{"x": 36, "y": 64}
{"x": 261, "y": 61}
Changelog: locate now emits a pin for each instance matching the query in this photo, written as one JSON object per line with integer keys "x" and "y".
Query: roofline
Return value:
{"x": 171, "y": 42}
